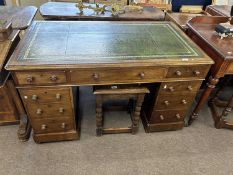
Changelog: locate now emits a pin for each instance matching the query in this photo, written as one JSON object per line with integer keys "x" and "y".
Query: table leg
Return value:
{"x": 136, "y": 115}
{"x": 99, "y": 115}
{"x": 210, "y": 86}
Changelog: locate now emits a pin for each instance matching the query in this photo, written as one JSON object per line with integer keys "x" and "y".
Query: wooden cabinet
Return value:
{"x": 51, "y": 110}
{"x": 167, "y": 107}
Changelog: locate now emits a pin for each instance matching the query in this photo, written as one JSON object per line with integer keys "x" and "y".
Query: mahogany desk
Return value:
{"x": 201, "y": 30}
{"x": 68, "y": 11}
{"x": 56, "y": 56}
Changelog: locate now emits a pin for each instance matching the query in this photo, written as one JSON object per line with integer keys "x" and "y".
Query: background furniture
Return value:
{"x": 181, "y": 19}
{"x": 105, "y": 53}
{"x": 221, "y": 116}
{"x": 68, "y": 11}
{"x": 11, "y": 106}
{"x": 202, "y": 31}
{"x": 219, "y": 10}
{"x": 2, "y": 2}
{"x": 133, "y": 94}
{"x": 20, "y": 17}
{"x": 176, "y": 4}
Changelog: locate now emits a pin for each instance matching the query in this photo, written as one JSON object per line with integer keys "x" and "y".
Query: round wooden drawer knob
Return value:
{"x": 166, "y": 103}
{"x": 61, "y": 110}
{"x": 34, "y": 97}
{"x": 196, "y": 72}
{"x": 142, "y": 75}
{"x": 39, "y": 111}
{"x": 178, "y": 73}
{"x": 184, "y": 102}
{"x": 43, "y": 127}
{"x": 190, "y": 88}
{"x": 63, "y": 125}
{"x": 95, "y": 76}
{"x": 161, "y": 117}
{"x": 53, "y": 78}
{"x": 29, "y": 79}
{"x": 58, "y": 96}
{"x": 178, "y": 116}
{"x": 171, "y": 89}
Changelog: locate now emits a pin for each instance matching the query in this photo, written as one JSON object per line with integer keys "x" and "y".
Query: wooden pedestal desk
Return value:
{"x": 202, "y": 31}
{"x": 55, "y": 56}
{"x": 68, "y": 11}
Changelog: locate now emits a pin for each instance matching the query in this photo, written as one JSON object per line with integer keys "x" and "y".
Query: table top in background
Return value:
{"x": 68, "y": 11}
{"x": 21, "y": 17}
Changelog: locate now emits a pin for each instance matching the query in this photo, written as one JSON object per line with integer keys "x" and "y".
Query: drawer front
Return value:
{"x": 167, "y": 116}
{"x": 46, "y": 95}
{"x": 188, "y": 71}
{"x": 41, "y": 77}
{"x": 113, "y": 76}
{"x": 52, "y": 110}
{"x": 174, "y": 101}
{"x": 52, "y": 125}
{"x": 178, "y": 87}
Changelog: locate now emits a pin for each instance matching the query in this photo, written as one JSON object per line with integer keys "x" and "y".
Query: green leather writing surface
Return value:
{"x": 105, "y": 41}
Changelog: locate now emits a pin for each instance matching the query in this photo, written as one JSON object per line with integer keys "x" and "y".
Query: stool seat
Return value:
{"x": 119, "y": 92}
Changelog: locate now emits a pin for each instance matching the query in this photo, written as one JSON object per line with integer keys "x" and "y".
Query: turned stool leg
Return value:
{"x": 136, "y": 114}
{"x": 99, "y": 115}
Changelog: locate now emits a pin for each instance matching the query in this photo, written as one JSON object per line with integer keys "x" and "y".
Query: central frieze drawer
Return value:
{"x": 53, "y": 125}
{"x": 36, "y": 78}
{"x": 49, "y": 110}
{"x": 122, "y": 75}
{"x": 46, "y": 95}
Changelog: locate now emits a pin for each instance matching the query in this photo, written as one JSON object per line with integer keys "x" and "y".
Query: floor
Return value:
{"x": 196, "y": 150}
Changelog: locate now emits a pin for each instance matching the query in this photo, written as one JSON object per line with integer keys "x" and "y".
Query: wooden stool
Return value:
{"x": 104, "y": 93}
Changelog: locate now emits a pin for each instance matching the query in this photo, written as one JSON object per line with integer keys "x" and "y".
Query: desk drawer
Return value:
{"x": 188, "y": 71}
{"x": 180, "y": 87}
{"x": 53, "y": 125}
{"x": 123, "y": 75}
{"x": 167, "y": 116}
{"x": 52, "y": 110}
{"x": 175, "y": 101}
{"x": 36, "y": 78}
{"x": 46, "y": 95}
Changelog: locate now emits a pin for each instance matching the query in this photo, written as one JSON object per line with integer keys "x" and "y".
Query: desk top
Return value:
{"x": 21, "y": 17}
{"x": 204, "y": 28}
{"x": 76, "y": 44}
{"x": 68, "y": 11}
